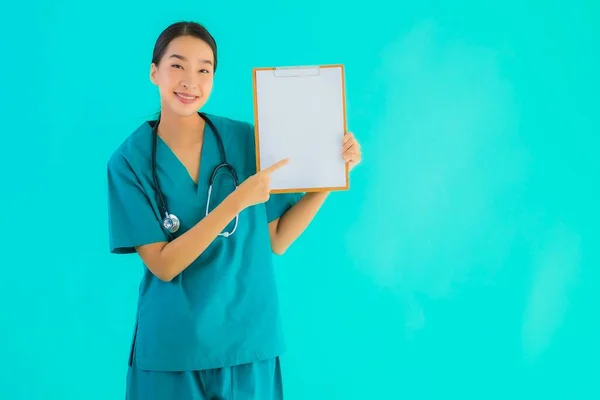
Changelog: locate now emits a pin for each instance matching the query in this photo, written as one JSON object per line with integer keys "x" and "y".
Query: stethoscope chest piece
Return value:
{"x": 171, "y": 223}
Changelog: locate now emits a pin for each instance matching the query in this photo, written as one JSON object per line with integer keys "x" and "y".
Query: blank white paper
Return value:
{"x": 300, "y": 116}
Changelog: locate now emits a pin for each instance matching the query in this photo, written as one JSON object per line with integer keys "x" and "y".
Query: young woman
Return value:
{"x": 207, "y": 324}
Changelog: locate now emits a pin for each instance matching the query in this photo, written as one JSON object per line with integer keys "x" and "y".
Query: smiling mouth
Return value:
{"x": 186, "y": 98}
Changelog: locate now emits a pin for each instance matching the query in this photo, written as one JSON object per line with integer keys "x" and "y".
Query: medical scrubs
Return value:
{"x": 214, "y": 331}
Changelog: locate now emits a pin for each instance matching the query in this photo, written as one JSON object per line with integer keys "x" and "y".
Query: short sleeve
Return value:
{"x": 131, "y": 220}
{"x": 279, "y": 203}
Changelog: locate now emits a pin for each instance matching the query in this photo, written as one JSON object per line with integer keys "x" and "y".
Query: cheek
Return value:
{"x": 172, "y": 78}
{"x": 164, "y": 81}
{"x": 166, "y": 90}
{"x": 207, "y": 84}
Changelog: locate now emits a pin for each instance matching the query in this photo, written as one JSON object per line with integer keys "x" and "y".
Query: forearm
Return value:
{"x": 293, "y": 222}
{"x": 178, "y": 254}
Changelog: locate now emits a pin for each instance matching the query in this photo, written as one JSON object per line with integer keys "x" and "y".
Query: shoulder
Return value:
{"x": 231, "y": 126}
{"x": 135, "y": 146}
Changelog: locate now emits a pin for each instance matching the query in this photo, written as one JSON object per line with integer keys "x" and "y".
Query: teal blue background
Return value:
{"x": 463, "y": 263}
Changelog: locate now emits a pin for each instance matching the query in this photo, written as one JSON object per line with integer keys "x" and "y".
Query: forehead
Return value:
{"x": 192, "y": 48}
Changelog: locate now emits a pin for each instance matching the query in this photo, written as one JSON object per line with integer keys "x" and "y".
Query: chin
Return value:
{"x": 185, "y": 110}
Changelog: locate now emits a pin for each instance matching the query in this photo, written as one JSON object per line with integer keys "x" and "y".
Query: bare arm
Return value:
{"x": 166, "y": 260}
{"x": 285, "y": 230}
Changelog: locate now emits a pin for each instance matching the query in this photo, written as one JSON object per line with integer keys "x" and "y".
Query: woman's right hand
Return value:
{"x": 256, "y": 189}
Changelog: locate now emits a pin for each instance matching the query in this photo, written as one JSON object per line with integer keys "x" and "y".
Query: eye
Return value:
{"x": 205, "y": 71}
{"x": 176, "y": 66}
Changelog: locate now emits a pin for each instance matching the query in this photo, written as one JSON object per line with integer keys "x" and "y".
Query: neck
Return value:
{"x": 181, "y": 131}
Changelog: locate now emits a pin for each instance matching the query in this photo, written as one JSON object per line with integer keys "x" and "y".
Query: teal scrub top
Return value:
{"x": 223, "y": 309}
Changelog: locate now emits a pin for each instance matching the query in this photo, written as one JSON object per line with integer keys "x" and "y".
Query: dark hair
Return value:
{"x": 183, "y": 28}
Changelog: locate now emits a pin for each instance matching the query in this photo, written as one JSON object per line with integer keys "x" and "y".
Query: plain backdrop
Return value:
{"x": 462, "y": 264}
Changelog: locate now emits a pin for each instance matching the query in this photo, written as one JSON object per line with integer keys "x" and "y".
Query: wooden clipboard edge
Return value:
{"x": 310, "y": 190}
{"x": 257, "y": 130}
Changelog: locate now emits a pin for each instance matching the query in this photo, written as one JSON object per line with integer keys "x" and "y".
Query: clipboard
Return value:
{"x": 300, "y": 114}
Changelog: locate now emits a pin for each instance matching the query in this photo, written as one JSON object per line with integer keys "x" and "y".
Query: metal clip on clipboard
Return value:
{"x": 285, "y": 72}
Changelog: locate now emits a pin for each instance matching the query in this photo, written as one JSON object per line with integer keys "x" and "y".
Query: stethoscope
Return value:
{"x": 171, "y": 222}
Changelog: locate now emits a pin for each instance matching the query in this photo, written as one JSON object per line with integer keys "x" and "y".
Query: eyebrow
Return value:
{"x": 182, "y": 58}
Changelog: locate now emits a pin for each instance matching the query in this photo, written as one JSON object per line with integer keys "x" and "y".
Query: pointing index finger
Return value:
{"x": 276, "y": 166}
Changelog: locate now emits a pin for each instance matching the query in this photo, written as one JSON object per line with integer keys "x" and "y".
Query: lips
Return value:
{"x": 186, "y": 98}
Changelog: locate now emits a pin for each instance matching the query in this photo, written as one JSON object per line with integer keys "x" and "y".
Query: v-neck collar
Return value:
{"x": 208, "y": 144}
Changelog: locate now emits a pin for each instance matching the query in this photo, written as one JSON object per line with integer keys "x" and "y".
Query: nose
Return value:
{"x": 188, "y": 85}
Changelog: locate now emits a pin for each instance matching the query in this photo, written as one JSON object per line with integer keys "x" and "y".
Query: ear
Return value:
{"x": 153, "y": 72}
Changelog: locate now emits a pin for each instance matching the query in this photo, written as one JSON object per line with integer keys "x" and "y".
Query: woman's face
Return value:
{"x": 184, "y": 75}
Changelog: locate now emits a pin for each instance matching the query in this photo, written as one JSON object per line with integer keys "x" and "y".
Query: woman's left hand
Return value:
{"x": 351, "y": 150}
